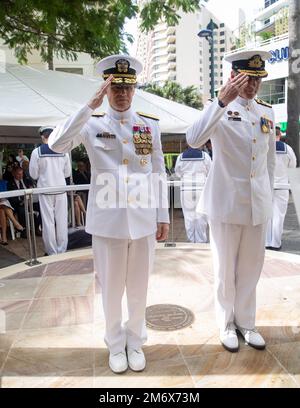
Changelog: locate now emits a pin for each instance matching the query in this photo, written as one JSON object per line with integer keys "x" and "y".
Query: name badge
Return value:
{"x": 106, "y": 135}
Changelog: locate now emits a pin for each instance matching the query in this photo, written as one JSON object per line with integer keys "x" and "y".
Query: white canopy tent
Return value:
{"x": 30, "y": 98}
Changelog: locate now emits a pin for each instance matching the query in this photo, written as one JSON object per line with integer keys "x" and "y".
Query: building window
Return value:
{"x": 222, "y": 49}
{"x": 269, "y": 2}
{"x": 222, "y": 25}
{"x": 71, "y": 70}
{"x": 222, "y": 41}
{"x": 222, "y": 33}
{"x": 273, "y": 91}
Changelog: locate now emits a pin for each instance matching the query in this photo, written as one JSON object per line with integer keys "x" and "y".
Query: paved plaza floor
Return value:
{"x": 55, "y": 326}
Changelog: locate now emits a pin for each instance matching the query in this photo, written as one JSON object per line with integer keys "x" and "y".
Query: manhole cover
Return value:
{"x": 168, "y": 317}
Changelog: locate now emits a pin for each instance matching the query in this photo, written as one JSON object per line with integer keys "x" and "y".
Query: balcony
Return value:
{"x": 171, "y": 39}
{"x": 171, "y": 30}
{"x": 171, "y": 48}
{"x": 171, "y": 56}
{"x": 172, "y": 65}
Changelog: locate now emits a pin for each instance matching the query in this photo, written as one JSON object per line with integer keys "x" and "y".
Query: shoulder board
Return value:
{"x": 146, "y": 115}
{"x": 261, "y": 102}
{"x": 98, "y": 115}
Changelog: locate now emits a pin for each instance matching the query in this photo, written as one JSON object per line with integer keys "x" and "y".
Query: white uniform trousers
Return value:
{"x": 195, "y": 223}
{"x": 238, "y": 257}
{"x": 275, "y": 225}
{"x": 54, "y": 212}
{"x": 124, "y": 264}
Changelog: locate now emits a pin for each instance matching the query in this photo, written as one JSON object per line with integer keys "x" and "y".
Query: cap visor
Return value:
{"x": 260, "y": 74}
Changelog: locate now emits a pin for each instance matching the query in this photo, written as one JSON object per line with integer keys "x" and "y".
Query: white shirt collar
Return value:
{"x": 119, "y": 115}
{"x": 244, "y": 102}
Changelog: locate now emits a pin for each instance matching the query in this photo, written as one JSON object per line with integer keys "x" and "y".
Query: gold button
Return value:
{"x": 126, "y": 179}
{"x": 125, "y": 161}
{"x": 253, "y": 123}
{"x": 248, "y": 108}
{"x": 125, "y": 141}
{"x": 253, "y": 157}
{"x": 254, "y": 140}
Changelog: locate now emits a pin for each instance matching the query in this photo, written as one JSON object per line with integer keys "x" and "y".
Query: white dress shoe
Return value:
{"x": 136, "y": 359}
{"x": 252, "y": 338}
{"x": 229, "y": 339}
{"x": 118, "y": 362}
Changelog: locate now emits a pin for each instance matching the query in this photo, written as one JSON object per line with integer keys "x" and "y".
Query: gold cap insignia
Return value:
{"x": 255, "y": 62}
{"x": 122, "y": 65}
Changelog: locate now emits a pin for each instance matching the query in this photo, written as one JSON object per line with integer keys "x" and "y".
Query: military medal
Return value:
{"x": 143, "y": 162}
{"x": 142, "y": 140}
{"x": 235, "y": 116}
{"x": 265, "y": 124}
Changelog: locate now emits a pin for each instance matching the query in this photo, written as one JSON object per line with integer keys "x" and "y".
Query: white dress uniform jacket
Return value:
{"x": 238, "y": 189}
{"x": 49, "y": 171}
{"x": 285, "y": 158}
{"x": 192, "y": 169}
{"x": 109, "y": 144}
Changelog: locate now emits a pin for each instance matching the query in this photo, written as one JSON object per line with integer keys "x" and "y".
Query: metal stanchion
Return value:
{"x": 28, "y": 232}
{"x": 34, "y": 261}
{"x": 72, "y": 209}
{"x": 171, "y": 243}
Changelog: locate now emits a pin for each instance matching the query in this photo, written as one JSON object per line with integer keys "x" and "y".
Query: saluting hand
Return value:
{"x": 97, "y": 99}
{"x": 232, "y": 88}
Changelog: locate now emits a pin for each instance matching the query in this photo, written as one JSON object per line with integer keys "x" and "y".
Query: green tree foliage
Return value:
{"x": 172, "y": 90}
{"x": 64, "y": 28}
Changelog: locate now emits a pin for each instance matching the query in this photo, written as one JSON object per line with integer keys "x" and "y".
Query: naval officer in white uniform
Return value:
{"x": 285, "y": 159}
{"x": 192, "y": 167}
{"x": 237, "y": 196}
{"x": 50, "y": 169}
{"x": 124, "y": 149}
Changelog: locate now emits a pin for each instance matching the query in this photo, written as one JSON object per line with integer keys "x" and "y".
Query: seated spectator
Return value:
{"x": 79, "y": 208}
{"x": 7, "y": 175}
{"x": 6, "y": 212}
{"x": 18, "y": 183}
{"x": 82, "y": 176}
{"x": 21, "y": 157}
{"x": 12, "y": 160}
{"x": 25, "y": 167}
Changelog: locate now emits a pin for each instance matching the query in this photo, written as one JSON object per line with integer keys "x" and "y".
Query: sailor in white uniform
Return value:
{"x": 285, "y": 158}
{"x": 192, "y": 167}
{"x": 124, "y": 213}
{"x": 237, "y": 196}
{"x": 50, "y": 169}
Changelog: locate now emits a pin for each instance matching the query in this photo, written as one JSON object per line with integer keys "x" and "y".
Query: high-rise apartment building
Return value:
{"x": 273, "y": 18}
{"x": 176, "y": 53}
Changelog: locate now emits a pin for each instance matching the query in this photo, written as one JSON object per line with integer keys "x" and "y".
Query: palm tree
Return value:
{"x": 175, "y": 92}
{"x": 293, "y": 103}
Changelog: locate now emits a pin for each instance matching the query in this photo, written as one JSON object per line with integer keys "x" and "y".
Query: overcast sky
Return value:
{"x": 226, "y": 11}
